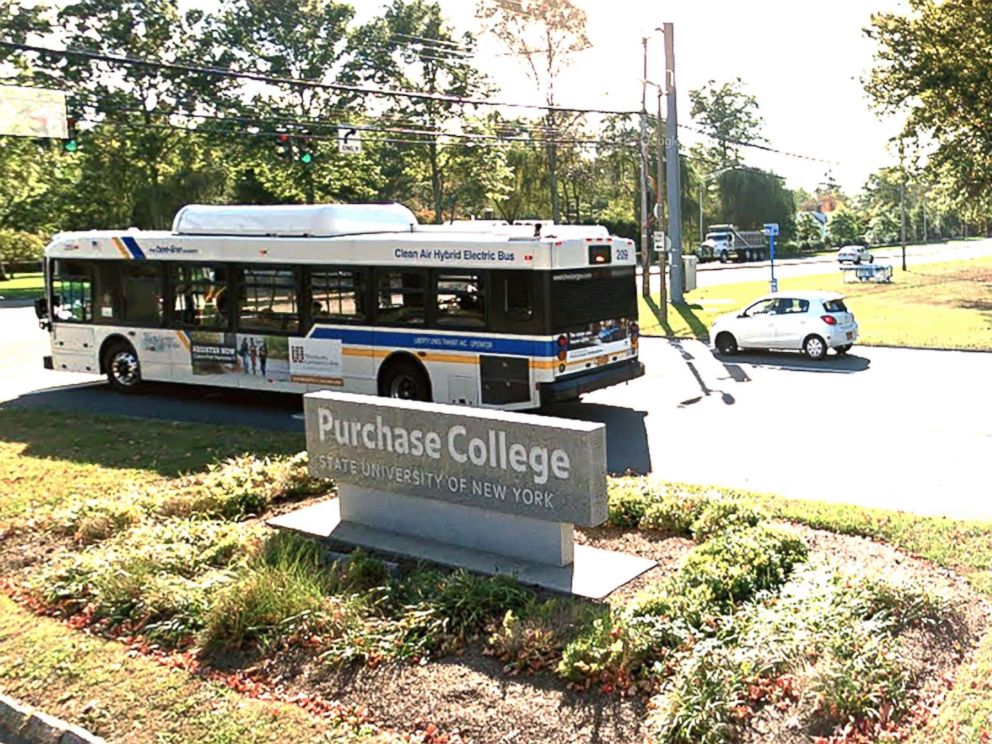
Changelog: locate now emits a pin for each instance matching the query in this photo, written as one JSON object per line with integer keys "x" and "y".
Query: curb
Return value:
{"x": 27, "y": 725}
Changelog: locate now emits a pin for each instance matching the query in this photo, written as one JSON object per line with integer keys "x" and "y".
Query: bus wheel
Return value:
{"x": 407, "y": 381}
{"x": 123, "y": 369}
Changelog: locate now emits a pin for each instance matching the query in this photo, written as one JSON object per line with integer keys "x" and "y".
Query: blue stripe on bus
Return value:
{"x": 132, "y": 245}
{"x": 397, "y": 339}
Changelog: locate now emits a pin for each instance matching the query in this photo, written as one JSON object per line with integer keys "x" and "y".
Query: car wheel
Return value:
{"x": 122, "y": 366}
{"x": 815, "y": 348}
{"x": 726, "y": 344}
{"x": 723, "y": 257}
{"x": 842, "y": 350}
{"x": 406, "y": 381}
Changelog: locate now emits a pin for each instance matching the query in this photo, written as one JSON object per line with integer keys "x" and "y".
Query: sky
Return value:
{"x": 802, "y": 60}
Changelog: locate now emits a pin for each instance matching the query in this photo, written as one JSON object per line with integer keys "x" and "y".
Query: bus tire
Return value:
{"x": 405, "y": 379}
{"x": 120, "y": 362}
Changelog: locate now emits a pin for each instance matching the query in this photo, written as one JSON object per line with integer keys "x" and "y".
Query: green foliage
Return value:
{"x": 930, "y": 63}
{"x": 722, "y": 514}
{"x": 156, "y": 579}
{"x": 628, "y": 499}
{"x": 738, "y": 564}
{"x": 675, "y": 511}
{"x": 280, "y": 594}
{"x": 20, "y": 247}
{"x": 845, "y": 227}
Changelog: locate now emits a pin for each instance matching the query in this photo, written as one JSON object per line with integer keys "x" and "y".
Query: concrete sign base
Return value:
{"x": 593, "y": 573}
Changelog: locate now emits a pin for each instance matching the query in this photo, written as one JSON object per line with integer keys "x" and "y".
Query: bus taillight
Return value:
{"x": 562, "y": 347}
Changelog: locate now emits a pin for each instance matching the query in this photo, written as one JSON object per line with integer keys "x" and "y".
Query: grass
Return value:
{"x": 124, "y": 696}
{"x": 945, "y": 305}
{"x": 52, "y": 459}
{"x": 23, "y": 286}
{"x": 701, "y": 638}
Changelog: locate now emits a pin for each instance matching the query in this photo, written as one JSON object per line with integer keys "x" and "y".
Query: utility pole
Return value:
{"x": 902, "y": 203}
{"x": 645, "y": 245}
{"x": 659, "y": 213}
{"x": 674, "y": 170}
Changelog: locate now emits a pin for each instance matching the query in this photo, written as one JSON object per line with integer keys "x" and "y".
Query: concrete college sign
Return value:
{"x": 542, "y": 468}
{"x": 491, "y": 491}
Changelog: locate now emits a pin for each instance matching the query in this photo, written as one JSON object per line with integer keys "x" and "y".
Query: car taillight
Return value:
{"x": 829, "y": 319}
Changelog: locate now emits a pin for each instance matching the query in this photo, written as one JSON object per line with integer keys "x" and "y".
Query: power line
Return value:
{"x": 341, "y": 87}
{"x": 279, "y": 80}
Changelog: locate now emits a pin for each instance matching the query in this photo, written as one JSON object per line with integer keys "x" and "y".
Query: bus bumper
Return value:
{"x": 47, "y": 362}
{"x": 573, "y": 386}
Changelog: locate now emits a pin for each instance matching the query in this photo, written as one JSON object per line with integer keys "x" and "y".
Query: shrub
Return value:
{"x": 283, "y": 592}
{"x": 703, "y": 703}
{"x": 154, "y": 579}
{"x": 526, "y": 645}
{"x": 859, "y": 676}
{"x": 675, "y": 512}
{"x": 738, "y": 564}
{"x": 612, "y": 650}
{"x": 628, "y": 500}
{"x": 92, "y": 520}
{"x": 236, "y": 488}
{"x": 725, "y": 514}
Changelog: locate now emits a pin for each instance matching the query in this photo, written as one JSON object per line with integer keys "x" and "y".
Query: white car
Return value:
{"x": 811, "y": 322}
{"x": 854, "y": 254}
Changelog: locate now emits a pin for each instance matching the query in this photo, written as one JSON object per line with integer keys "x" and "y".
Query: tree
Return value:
{"x": 846, "y": 226}
{"x": 808, "y": 228}
{"x": 141, "y": 104}
{"x": 545, "y": 33}
{"x": 933, "y": 63}
{"x": 412, "y": 47}
{"x": 729, "y": 115}
{"x": 750, "y": 197}
{"x": 301, "y": 40}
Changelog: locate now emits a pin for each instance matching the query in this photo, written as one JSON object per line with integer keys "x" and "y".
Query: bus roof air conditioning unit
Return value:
{"x": 294, "y": 220}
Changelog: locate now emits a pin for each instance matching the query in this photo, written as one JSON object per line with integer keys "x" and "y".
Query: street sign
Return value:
{"x": 349, "y": 140}
{"x": 771, "y": 229}
{"x": 774, "y": 284}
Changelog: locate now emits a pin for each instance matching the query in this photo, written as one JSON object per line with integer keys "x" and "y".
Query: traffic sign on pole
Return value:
{"x": 349, "y": 140}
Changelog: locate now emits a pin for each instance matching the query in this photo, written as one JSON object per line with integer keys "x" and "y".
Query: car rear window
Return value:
{"x": 835, "y": 306}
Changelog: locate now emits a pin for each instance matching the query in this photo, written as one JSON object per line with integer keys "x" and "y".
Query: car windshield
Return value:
{"x": 835, "y": 306}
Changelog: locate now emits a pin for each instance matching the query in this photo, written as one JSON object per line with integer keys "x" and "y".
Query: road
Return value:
{"x": 893, "y": 428}
{"x": 713, "y": 274}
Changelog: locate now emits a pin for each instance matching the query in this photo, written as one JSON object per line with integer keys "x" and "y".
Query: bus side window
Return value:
{"x": 336, "y": 295}
{"x": 199, "y": 296}
{"x": 143, "y": 293}
{"x": 72, "y": 291}
{"x": 107, "y": 291}
{"x": 517, "y": 301}
{"x": 402, "y": 297}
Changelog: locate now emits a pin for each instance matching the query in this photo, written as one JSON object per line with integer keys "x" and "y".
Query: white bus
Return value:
{"x": 354, "y": 297}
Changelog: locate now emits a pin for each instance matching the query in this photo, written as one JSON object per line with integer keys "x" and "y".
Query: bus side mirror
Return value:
{"x": 41, "y": 308}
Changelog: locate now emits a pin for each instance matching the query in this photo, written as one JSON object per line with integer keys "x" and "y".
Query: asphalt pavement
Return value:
{"x": 893, "y": 428}
{"x": 712, "y": 274}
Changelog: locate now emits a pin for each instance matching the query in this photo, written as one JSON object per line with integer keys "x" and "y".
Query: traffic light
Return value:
{"x": 305, "y": 152}
{"x": 71, "y": 143}
{"x": 284, "y": 146}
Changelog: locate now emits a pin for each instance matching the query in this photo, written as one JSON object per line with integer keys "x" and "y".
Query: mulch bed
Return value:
{"x": 469, "y": 697}
{"x": 469, "y": 694}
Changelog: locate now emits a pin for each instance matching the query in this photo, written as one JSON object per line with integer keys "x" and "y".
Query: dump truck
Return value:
{"x": 725, "y": 243}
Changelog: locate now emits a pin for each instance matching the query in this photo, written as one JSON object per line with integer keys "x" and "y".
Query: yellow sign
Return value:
{"x": 32, "y": 112}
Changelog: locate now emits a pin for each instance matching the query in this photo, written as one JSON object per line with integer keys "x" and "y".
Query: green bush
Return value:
{"x": 613, "y": 650}
{"x": 675, "y": 512}
{"x": 701, "y": 705}
{"x": 20, "y": 247}
{"x": 155, "y": 579}
{"x": 628, "y": 499}
{"x": 720, "y": 515}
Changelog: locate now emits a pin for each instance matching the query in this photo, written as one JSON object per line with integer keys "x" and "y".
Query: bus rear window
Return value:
{"x": 582, "y": 297}
{"x": 835, "y": 306}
